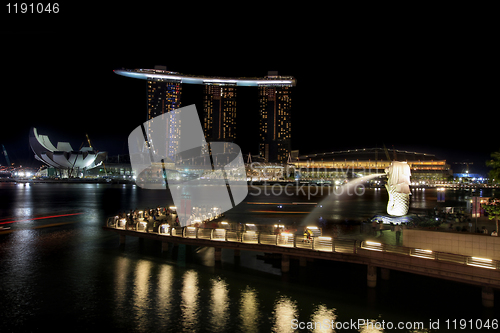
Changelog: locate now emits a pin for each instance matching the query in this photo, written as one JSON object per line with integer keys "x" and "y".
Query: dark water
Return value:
{"x": 60, "y": 271}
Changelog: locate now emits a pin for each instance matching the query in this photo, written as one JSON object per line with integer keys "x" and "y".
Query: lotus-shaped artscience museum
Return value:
{"x": 63, "y": 157}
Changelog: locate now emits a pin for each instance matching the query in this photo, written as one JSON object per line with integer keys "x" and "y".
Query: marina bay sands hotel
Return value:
{"x": 219, "y": 111}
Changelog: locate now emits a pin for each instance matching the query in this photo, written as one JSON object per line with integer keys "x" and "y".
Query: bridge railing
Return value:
{"x": 232, "y": 236}
{"x": 432, "y": 255}
{"x": 268, "y": 239}
{"x": 313, "y": 243}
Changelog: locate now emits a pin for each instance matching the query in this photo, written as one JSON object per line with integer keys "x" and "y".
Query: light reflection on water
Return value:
{"x": 189, "y": 303}
{"x": 136, "y": 288}
{"x": 22, "y": 264}
{"x": 120, "y": 283}
{"x": 371, "y": 327}
{"x": 326, "y": 317}
{"x": 141, "y": 298}
{"x": 165, "y": 292}
{"x": 219, "y": 305}
{"x": 23, "y": 207}
{"x": 249, "y": 310}
{"x": 285, "y": 310}
{"x": 161, "y": 302}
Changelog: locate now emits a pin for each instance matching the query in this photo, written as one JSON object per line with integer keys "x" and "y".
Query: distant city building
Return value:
{"x": 219, "y": 113}
{"x": 114, "y": 167}
{"x": 469, "y": 175}
{"x": 275, "y": 121}
{"x": 366, "y": 161}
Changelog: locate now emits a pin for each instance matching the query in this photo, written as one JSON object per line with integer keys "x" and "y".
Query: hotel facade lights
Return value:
{"x": 163, "y": 96}
{"x": 219, "y": 119}
{"x": 219, "y": 116}
{"x": 275, "y": 105}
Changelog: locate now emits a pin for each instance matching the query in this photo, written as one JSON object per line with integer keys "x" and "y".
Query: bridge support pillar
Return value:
{"x": 122, "y": 239}
{"x": 236, "y": 253}
{"x": 217, "y": 253}
{"x": 371, "y": 276}
{"x": 285, "y": 263}
{"x": 164, "y": 246}
{"x": 488, "y": 297}
{"x": 385, "y": 273}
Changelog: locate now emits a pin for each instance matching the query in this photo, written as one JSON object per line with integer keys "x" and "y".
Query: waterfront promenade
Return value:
{"x": 483, "y": 272}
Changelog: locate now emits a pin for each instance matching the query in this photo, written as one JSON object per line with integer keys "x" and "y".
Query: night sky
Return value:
{"x": 432, "y": 95}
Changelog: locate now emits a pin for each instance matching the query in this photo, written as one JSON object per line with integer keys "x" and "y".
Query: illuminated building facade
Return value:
{"x": 164, "y": 95}
{"x": 63, "y": 157}
{"x": 275, "y": 121}
{"x": 219, "y": 117}
{"x": 366, "y": 161}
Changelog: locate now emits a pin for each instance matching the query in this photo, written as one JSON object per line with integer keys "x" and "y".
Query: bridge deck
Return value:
{"x": 473, "y": 270}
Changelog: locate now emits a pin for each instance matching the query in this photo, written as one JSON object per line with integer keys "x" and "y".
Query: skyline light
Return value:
{"x": 346, "y": 101}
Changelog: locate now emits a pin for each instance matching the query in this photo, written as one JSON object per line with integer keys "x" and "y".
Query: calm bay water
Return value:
{"x": 60, "y": 271}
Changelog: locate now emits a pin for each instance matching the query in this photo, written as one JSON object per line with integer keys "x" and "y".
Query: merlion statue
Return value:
{"x": 398, "y": 187}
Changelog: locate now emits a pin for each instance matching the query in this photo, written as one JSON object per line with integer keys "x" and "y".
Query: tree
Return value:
{"x": 493, "y": 209}
{"x": 494, "y": 163}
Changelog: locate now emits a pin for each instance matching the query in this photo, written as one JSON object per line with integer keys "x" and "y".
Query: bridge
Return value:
{"x": 482, "y": 272}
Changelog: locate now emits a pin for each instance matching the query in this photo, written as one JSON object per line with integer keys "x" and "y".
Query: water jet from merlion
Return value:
{"x": 354, "y": 187}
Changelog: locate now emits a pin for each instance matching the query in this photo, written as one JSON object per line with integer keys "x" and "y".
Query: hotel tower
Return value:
{"x": 275, "y": 124}
{"x": 219, "y": 109}
{"x": 164, "y": 95}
